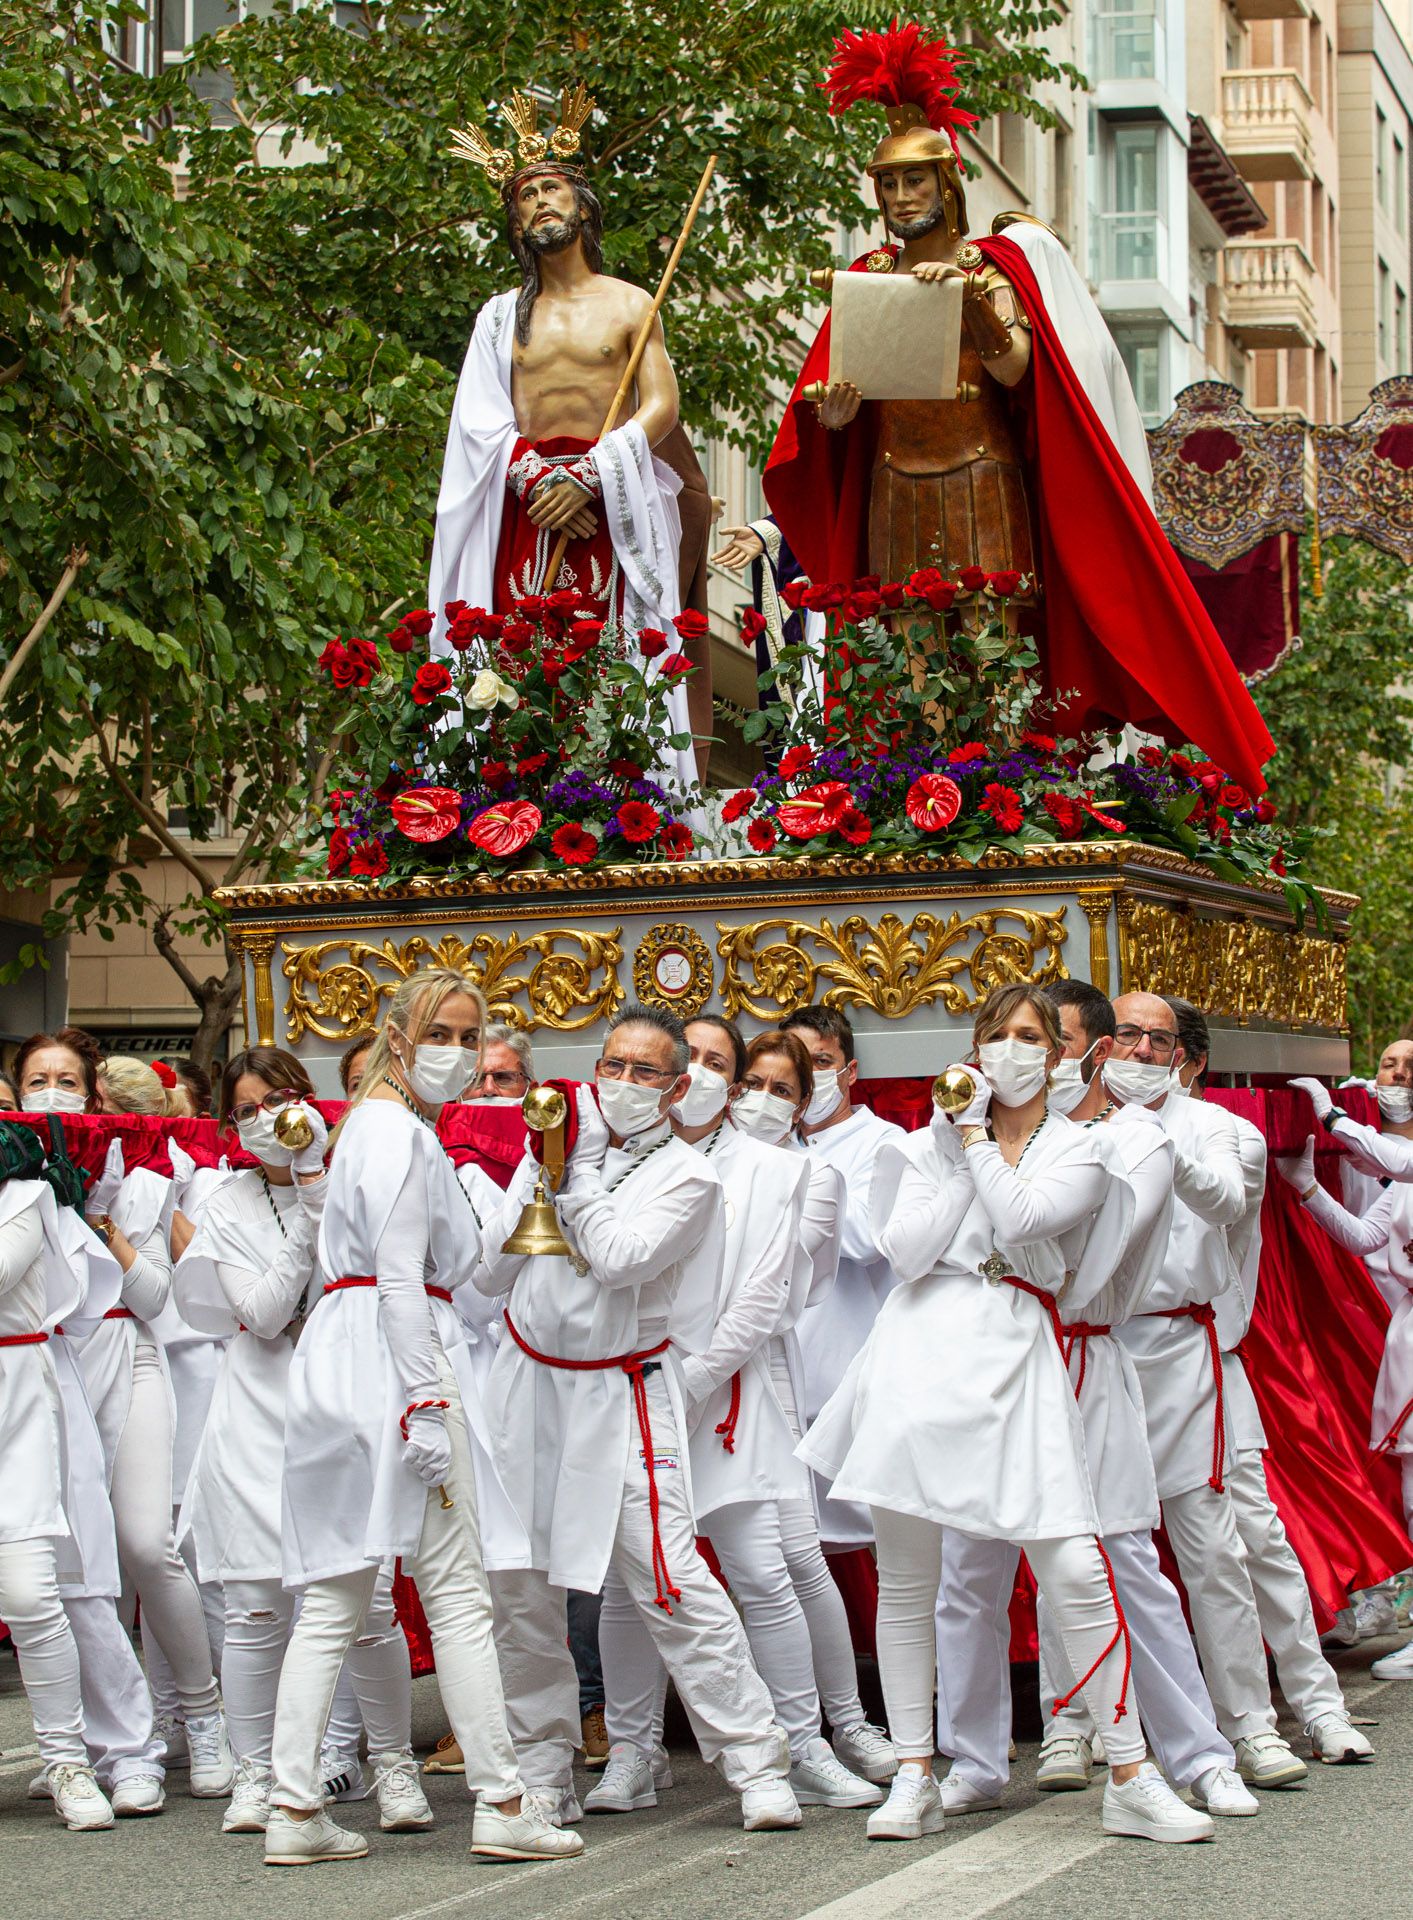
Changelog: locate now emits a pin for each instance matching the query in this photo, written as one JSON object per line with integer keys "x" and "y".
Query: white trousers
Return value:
{"x": 973, "y": 1627}
{"x": 117, "y": 1707}
{"x": 49, "y": 1663}
{"x": 1177, "y": 1712}
{"x": 701, "y": 1642}
{"x": 1070, "y": 1572}
{"x": 1202, "y": 1531}
{"x": 1282, "y": 1593}
{"x": 451, "y": 1582}
{"x": 1408, "y": 1492}
{"x": 749, "y": 1543}
{"x": 141, "y": 1492}
{"x": 160, "y": 1677}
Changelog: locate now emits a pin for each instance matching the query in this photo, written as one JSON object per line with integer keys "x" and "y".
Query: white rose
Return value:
{"x": 489, "y": 690}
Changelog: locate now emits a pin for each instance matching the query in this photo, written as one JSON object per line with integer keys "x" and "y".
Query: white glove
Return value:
{"x": 427, "y": 1448}
{"x": 592, "y": 1143}
{"x": 103, "y": 1194}
{"x": 1132, "y": 1115}
{"x": 310, "y": 1159}
{"x": 1298, "y": 1168}
{"x": 975, "y": 1114}
{"x": 1321, "y": 1099}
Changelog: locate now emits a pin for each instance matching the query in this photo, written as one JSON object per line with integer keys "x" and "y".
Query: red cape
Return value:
{"x": 1123, "y": 631}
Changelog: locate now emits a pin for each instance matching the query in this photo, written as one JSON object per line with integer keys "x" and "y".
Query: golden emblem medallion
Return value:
{"x": 879, "y": 261}
{"x": 970, "y": 256}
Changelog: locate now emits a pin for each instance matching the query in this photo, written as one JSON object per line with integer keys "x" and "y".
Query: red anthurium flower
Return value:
{"x": 370, "y": 858}
{"x": 933, "y": 802}
{"x": 638, "y": 822}
{"x": 739, "y": 803}
{"x": 432, "y": 678}
{"x": 1105, "y": 820}
{"x": 505, "y": 828}
{"x": 795, "y": 760}
{"x": 651, "y": 642}
{"x": 573, "y": 845}
{"x": 1004, "y": 806}
{"x": 676, "y": 840}
{"x": 762, "y": 835}
{"x": 427, "y": 813}
{"x": 752, "y": 626}
{"x": 690, "y": 624}
{"x": 420, "y": 621}
{"x": 817, "y": 810}
{"x": 854, "y": 826}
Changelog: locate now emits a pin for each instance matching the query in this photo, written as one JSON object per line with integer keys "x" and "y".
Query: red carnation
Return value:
{"x": 972, "y": 579}
{"x": 532, "y": 763}
{"x": 495, "y": 775}
{"x": 427, "y": 813}
{"x": 690, "y": 624}
{"x": 795, "y": 761}
{"x": 1004, "y": 806}
{"x": 651, "y": 642}
{"x": 340, "y": 842}
{"x": 638, "y": 822}
{"x": 762, "y": 835}
{"x": 432, "y": 678}
{"x": 854, "y": 825}
{"x": 1002, "y": 584}
{"x": 370, "y": 858}
{"x": 752, "y": 626}
{"x": 739, "y": 803}
{"x": 420, "y": 621}
{"x": 505, "y": 828}
{"x": 971, "y": 750}
{"x": 933, "y": 802}
{"x": 676, "y": 840}
{"x": 517, "y": 636}
{"x": 1039, "y": 742}
{"x": 401, "y": 640}
{"x": 573, "y": 845}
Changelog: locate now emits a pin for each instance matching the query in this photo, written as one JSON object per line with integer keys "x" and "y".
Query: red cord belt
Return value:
{"x": 1206, "y": 1318}
{"x": 24, "y": 1339}
{"x": 1390, "y": 1439}
{"x": 634, "y": 1365}
{"x": 371, "y": 1280}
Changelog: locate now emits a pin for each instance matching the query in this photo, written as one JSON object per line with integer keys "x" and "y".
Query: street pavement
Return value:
{"x": 1344, "y": 1843}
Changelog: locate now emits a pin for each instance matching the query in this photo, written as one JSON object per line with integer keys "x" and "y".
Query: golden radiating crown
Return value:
{"x": 533, "y": 148}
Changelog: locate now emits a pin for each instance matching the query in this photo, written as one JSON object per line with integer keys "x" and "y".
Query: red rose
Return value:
{"x": 638, "y": 822}
{"x": 817, "y": 810}
{"x": 1066, "y": 813}
{"x": 490, "y": 625}
{"x": 1265, "y": 812}
{"x": 1002, "y": 584}
{"x": 517, "y": 636}
{"x": 401, "y": 640}
{"x": 674, "y": 664}
{"x": 795, "y": 761}
{"x": 761, "y": 835}
{"x": 625, "y": 769}
{"x": 531, "y": 607}
{"x": 823, "y": 599}
{"x": 532, "y": 763}
{"x": 420, "y": 621}
{"x": 651, "y": 642}
{"x": 573, "y": 845}
{"x": 370, "y": 858}
{"x": 739, "y": 803}
{"x": 452, "y": 608}
{"x": 1004, "y": 806}
{"x": 1180, "y": 764}
{"x": 752, "y": 626}
{"x": 1150, "y": 756}
{"x": 432, "y": 678}
{"x": 362, "y": 657}
{"x": 690, "y": 624}
{"x": 335, "y": 662}
{"x": 854, "y": 825}
{"x": 972, "y": 579}
{"x": 340, "y": 841}
{"x": 793, "y": 594}
{"x": 972, "y": 750}
{"x": 563, "y": 600}
{"x": 1232, "y": 795}
{"x": 495, "y": 775}
{"x": 554, "y": 666}
{"x": 676, "y": 840}
{"x": 892, "y": 593}
{"x": 505, "y": 828}
{"x": 1038, "y": 742}
{"x": 863, "y": 604}
{"x": 464, "y": 630}
{"x": 585, "y": 635}
{"x": 427, "y": 813}
{"x": 933, "y": 802}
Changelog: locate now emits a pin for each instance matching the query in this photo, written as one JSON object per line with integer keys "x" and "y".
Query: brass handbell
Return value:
{"x": 545, "y": 1111}
{"x": 292, "y": 1128}
{"x": 953, "y": 1089}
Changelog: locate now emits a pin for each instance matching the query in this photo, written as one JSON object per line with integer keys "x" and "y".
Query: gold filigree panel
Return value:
{"x": 672, "y": 968}
{"x": 1240, "y": 970}
{"x": 566, "y": 977}
{"x": 889, "y": 966}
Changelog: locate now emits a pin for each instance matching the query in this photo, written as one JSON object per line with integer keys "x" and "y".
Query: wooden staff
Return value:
{"x": 625, "y": 385}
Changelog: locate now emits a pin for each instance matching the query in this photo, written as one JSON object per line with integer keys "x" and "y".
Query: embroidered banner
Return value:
{"x": 1365, "y": 471}
{"x": 1223, "y": 481}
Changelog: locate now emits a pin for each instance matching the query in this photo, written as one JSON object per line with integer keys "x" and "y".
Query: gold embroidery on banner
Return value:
{"x": 1240, "y": 970}
{"x": 891, "y": 967}
{"x": 340, "y": 1000}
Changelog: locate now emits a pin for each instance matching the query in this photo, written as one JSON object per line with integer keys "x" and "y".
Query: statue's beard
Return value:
{"x": 556, "y": 235}
{"x": 915, "y": 229}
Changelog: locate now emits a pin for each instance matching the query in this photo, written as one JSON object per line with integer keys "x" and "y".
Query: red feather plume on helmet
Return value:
{"x": 896, "y": 69}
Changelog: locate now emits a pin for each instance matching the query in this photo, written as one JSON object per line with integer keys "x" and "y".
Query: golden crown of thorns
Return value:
{"x": 532, "y": 147}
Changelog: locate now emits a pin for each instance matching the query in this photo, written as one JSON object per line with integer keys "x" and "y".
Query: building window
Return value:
{"x": 1400, "y": 186}
{"x": 184, "y": 22}
{"x": 1381, "y": 160}
{"x": 1127, "y": 42}
{"x": 1129, "y": 237}
{"x": 1141, "y": 351}
{"x": 1384, "y": 316}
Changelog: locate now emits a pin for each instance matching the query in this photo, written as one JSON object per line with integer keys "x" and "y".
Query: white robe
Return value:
{"x": 959, "y": 1409}
{"x": 33, "y": 1300}
{"x": 143, "y": 1212}
{"x": 1235, "y": 1306}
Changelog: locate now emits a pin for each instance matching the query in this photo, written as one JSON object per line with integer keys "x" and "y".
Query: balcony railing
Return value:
{"x": 1270, "y": 288}
{"x": 1266, "y": 115}
{"x": 1127, "y": 43}
{"x": 1128, "y": 246}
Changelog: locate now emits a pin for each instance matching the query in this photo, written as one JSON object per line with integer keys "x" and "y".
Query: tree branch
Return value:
{"x": 148, "y": 815}
{"x": 78, "y": 559}
{"x": 12, "y": 372}
{"x": 165, "y": 944}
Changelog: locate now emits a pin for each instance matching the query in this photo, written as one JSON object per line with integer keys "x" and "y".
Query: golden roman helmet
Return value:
{"x": 535, "y": 152}
{"x": 911, "y": 142}
{"x": 915, "y": 81}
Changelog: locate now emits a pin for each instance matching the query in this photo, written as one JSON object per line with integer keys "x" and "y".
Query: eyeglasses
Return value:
{"x": 277, "y": 1097}
{"x": 508, "y": 1080}
{"x": 636, "y": 1071}
{"x": 1161, "y": 1040}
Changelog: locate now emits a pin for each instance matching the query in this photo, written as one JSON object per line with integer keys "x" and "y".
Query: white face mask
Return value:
{"x": 1177, "y": 1088}
{"x": 826, "y": 1096}
{"x": 439, "y": 1074}
{"x": 1395, "y": 1103}
{"x": 764, "y": 1116}
{"x": 1137, "y": 1082}
{"x": 52, "y": 1100}
{"x": 704, "y": 1099}
{"x": 628, "y": 1109}
{"x": 258, "y": 1136}
{"x": 1015, "y": 1069}
{"x": 498, "y": 1100}
{"x": 1068, "y": 1086}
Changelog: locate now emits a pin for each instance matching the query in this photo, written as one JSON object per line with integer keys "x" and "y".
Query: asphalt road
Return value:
{"x": 1343, "y": 1844}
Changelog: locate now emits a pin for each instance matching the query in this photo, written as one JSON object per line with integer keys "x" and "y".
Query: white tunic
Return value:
{"x": 37, "y": 1288}
{"x": 88, "y": 1558}
{"x": 1387, "y": 1227}
{"x": 765, "y": 1277}
{"x": 649, "y": 1227}
{"x": 245, "y": 1279}
{"x": 143, "y": 1211}
{"x": 394, "y": 1212}
{"x": 959, "y": 1408}
{"x": 1235, "y": 1306}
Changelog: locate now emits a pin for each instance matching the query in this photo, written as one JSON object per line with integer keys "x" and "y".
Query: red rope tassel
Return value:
{"x": 1390, "y": 1439}
{"x": 1121, "y": 1632}
{"x": 727, "y": 1429}
{"x": 1079, "y": 1333}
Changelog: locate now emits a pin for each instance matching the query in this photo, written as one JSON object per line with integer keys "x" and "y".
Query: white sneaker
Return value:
{"x": 960, "y": 1795}
{"x": 1265, "y": 1760}
{"x": 171, "y": 1731}
{"x": 1066, "y": 1762}
{"x": 402, "y": 1805}
{"x": 1375, "y": 1613}
{"x": 559, "y": 1805}
{"x": 865, "y": 1750}
{"x": 1146, "y": 1808}
{"x": 769, "y": 1806}
{"x": 39, "y": 1788}
{"x": 662, "y": 1770}
{"x": 1344, "y": 1632}
{"x": 817, "y": 1779}
{"x": 1223, "y": 1792}
{"x": 212, "y": 1762}
{"x": 527, "y": 1835}
{"x": 626, "y": 1784}
{"x": 1335, "y": 1739}
{"x": 79, "y": 1800}
{"x": 913, "y": 1807}
{"x": 1395, "y": 1666}
{"x": 140, "y": 1795}
{"x": 249, "y": 1811}
{"x": 343, "y": 1777}
{"x": 314, "y": 1842}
